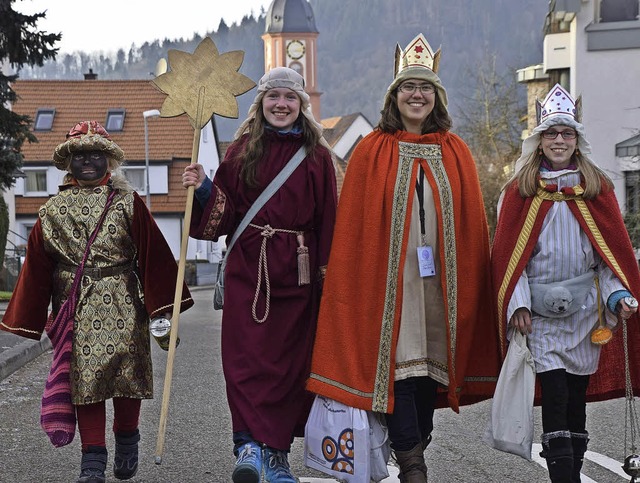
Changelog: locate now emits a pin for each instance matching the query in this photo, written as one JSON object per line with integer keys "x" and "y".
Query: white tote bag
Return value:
{"x": 337, "y": 441}
{"x": 380, "y": 446}
{"x": 510, "y": 427}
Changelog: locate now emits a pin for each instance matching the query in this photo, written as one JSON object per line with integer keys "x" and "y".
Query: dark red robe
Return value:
{"x": 266, "y": 365}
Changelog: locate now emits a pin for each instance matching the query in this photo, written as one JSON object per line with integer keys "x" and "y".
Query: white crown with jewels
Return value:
{"x": 558, "y": 102}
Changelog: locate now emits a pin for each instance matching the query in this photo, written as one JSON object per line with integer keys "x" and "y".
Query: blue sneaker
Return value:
{"x": 277, "y": 468}
{"x": 248, "y": 465}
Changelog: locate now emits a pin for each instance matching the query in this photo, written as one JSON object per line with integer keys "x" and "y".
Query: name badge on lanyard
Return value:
{"x": 426, "y": 264}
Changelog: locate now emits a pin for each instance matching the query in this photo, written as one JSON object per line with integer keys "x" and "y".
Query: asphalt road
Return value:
{"x": 197, "y": 444}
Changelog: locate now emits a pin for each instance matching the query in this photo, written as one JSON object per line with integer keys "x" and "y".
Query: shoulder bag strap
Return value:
{"x": 268, "y": 192}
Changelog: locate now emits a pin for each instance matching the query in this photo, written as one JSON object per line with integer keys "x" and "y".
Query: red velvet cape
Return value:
{"x": 600, "y": 218}
{"x": 354, "y": 352}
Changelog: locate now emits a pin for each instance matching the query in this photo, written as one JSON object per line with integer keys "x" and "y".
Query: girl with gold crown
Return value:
{"x": 406, "y": 322}
{"x": 560, "y": 253}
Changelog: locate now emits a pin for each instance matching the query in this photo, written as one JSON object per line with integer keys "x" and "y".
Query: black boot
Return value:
{"x": 579, "y": 442}
{"x": 125, "y": 462}
{"x": 558, "y": 451}
{"x": 94, "y": 462}
{"x": 412, "y": 466}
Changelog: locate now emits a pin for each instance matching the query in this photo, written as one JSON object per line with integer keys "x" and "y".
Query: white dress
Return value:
{"x": 563, "y": 251}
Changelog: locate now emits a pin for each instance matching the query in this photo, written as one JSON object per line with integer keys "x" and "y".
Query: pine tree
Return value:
{"x": 20, "y": 44}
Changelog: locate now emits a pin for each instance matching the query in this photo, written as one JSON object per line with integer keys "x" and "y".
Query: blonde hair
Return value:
{"x": 594, "y": 177}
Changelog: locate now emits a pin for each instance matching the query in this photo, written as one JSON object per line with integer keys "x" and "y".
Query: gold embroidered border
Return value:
{"x": 450, "y": 252}
{"x": 424, "y": 361}
{"x": 518, "y": 251}
{"x": 211, "y": 229}
{"x": 401, "y": 193}
{"x": 344, "y": 387}
{"x": 19, "y": 329}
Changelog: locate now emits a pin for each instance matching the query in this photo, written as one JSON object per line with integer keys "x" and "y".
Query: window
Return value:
{"x": 35, "y": 183}
{"x": 115, "y": 120}
{"x": 628, "y": 151}
{"x": 27, "y": 231}
{"x": 629, "y": 147}
{"x": 137, "y": 179}
{"x": 44, "y": 119}
{"x": 618, "y": 10}
{"x": 632, "y": 183}
{"x": 297, "y": 66}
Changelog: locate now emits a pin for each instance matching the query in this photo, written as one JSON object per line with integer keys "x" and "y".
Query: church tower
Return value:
{"x": 290, "y": 40}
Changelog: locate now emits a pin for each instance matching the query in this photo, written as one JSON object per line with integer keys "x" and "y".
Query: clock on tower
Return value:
{"x": 295, "y": 49}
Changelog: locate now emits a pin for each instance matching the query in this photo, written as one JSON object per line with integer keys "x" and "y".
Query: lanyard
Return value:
{"x": 420, "y": 193}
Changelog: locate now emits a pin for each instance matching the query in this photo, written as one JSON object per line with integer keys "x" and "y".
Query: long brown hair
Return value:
{"x": 254, "y": 145}
{"x": 593, "y": 176}
{"x": 390, "y": 120}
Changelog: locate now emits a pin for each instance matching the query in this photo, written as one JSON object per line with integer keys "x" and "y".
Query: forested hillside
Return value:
{"x": 355, "y": 49}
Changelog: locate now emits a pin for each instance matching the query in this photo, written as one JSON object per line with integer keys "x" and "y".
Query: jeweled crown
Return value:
{"x": 558, "y": 102}
{"x": 418, "y": 53}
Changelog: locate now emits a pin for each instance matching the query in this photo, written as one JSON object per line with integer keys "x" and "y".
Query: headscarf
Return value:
{"x": 289, "y": 79}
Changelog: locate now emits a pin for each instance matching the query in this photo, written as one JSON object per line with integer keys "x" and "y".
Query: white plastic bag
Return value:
{"x": 337, "y": 441}
{"x": 380, "y": 446}
{"x": 510, "y": 427}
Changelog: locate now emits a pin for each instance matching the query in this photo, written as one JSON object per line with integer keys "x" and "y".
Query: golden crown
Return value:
{"x": 418, "y": 53}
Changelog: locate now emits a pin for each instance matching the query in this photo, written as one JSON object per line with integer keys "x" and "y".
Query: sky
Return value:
{"x": 114, "y": 24}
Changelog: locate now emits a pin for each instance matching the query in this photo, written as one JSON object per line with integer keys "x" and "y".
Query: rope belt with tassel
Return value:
{"x": 304, "y": 277}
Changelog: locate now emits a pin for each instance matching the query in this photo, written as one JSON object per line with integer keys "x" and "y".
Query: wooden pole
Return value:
{"x": 175, "y": 318}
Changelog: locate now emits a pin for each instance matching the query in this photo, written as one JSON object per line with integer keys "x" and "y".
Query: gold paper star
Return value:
{"x": 206, "y": 78}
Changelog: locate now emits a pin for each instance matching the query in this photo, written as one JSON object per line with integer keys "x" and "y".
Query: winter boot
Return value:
{"x": 558, "y": 451}
{"x": 249, "y": 464}
{"x": 125, "y": 462}
{"x": 276, "y": 469}
{"x": 579, "y": 442}
{"x": 412, "y": 466}
{"x": 94, "y": 462}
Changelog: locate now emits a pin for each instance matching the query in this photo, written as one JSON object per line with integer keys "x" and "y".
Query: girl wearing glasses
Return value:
{"x": 406, "y": 322}
{"x": 561, "y": 253}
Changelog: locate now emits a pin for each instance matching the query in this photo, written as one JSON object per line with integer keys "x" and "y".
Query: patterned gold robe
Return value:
{"x": 129, "y": 277}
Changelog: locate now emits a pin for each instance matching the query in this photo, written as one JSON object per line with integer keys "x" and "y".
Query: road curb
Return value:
{"x": 13, "y": 359}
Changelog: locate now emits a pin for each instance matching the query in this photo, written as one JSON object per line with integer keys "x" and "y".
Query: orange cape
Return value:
{"x": 518, "y": 228}
{"x": 354, "y": 352}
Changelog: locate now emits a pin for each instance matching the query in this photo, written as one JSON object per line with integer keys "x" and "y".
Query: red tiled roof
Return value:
{"x": 170, "y": 139}
{"x": 75, "y": 101}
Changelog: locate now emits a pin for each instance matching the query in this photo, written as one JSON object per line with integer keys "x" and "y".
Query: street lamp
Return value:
{"x": 145, "y": 115}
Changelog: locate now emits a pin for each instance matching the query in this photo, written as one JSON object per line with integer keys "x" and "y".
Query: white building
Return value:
{"x": 592, "y": 48}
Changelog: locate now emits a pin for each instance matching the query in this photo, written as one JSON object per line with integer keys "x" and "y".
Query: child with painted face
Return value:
{"x": 129, "y": 276}
{"x": 88, "y": 167}
{"x": 560, "y": 253}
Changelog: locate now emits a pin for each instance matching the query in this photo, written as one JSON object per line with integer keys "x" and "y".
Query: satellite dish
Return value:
{"x": 161, "y": 67}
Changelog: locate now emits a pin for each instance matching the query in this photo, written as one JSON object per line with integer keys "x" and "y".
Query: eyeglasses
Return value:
{"x": 411, "y": 88}
{"x": 552, "y": 134}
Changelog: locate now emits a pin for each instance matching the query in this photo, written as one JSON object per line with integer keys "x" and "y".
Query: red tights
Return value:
{"x": 92, "y": 420}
